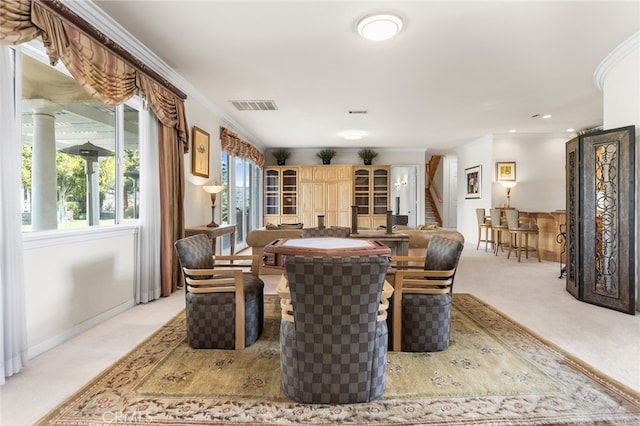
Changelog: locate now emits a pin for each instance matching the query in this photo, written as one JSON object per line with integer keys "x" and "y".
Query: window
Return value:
{"x": 241, "y": 178}
{"x": 81, "y": 158}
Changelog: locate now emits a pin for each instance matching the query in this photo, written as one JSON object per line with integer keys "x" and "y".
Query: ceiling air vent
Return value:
{"x": 255, "y": 105}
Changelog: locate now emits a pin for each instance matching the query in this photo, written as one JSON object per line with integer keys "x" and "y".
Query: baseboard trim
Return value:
{"x": 51, "y": 343}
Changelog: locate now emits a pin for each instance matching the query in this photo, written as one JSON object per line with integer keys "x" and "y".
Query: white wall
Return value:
{"x": 540, "y": 175}
{"x": 197, "y": 203}
{"x": 475, "y": 153}
{"x": 74, "y": 280}
{"x": 622, "y": 108}
{"x": 540, "y": 171}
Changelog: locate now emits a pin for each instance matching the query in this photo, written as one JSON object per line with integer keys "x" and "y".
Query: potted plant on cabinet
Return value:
{"x": 326, "y": 155}
{"x": 367, "y": 155}
{"x": 281, "y": 156}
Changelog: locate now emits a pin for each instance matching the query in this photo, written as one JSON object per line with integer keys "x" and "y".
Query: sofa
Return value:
{"x": 418, "y": 239}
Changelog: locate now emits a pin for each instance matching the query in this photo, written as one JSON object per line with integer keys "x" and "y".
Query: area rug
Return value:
{"x": 494, "y": 372}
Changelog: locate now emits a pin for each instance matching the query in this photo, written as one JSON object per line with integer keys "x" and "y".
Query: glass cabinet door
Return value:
{"x": 289, "y": 192}
{"x": 380, "y": 191}
{"x": 271, "y": 192}
{"x": 361, "y": 190}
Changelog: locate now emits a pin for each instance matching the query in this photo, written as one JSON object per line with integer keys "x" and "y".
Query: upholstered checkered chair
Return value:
{"x": 224, "y": 303}
{"x": 334, "y": 345}
{"x": 420, "y": 314}
{"x": 337, "y": 232}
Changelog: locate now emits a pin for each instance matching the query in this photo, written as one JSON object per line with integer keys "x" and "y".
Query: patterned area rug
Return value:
{"x": 494, "y": 372}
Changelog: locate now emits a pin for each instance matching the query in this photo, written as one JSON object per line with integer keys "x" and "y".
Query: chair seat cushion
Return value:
{"x": 426, "y": 322}
{"x": 211, "y": 316}
{"x": 312, "y": 378}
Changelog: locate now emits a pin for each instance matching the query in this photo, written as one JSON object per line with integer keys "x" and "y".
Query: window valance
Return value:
{"x": 232, "y": 144}
{"x": 102, "y": 67}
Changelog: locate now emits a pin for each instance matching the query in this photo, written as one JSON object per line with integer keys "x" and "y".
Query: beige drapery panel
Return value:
{"x": 231, "y": 143}
{"x": 92, "y": 61}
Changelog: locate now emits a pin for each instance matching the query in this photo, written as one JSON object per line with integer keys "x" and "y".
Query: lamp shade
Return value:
{"x": 213, "y": 189}
{"x": 508, "y": 184}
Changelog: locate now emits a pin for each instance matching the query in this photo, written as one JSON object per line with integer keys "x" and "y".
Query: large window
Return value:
{"x": 242, "y": 179}
{"x": 81, "y": 158}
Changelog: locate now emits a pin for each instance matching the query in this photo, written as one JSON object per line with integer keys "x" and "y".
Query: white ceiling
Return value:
{"x": 457, "y": 71}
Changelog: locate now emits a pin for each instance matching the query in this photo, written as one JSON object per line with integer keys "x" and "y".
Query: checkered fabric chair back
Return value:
{"x": 442, "y": 254}
{"x": 335, "y": 350}
{"x": 195, "y": 252}
{"x": 338, "y": 232}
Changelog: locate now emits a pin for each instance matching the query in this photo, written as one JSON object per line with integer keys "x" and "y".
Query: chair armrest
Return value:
{"x": 248, "y": 263}
{"x": 407, "y": 262}
{"x": 287, "y": 307}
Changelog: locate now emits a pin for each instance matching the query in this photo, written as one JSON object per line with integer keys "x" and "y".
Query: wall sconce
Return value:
{"x": 508, "y": 185}
{"x": 213, "y": 190}
{"x": 400, "y": 183}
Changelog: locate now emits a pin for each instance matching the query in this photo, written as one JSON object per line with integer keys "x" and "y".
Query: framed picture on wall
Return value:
{"x": 200, "y": 152}
{"x": 473, "y": 179}
{"x": 506, "y": 171}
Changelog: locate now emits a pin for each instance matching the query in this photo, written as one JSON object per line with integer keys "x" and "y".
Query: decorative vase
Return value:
{"x": 326, "y": 161}
{"x": 367, "y": 162}
{"x": 281, "y": 162}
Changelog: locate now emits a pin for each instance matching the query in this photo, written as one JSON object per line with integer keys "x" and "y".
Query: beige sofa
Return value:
{"x": 418, "y": 240}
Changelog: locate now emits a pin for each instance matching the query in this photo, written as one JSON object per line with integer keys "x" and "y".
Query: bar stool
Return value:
{"x": 517, "y": 230}
{"x": 485, "y": 224}
{"x": 497, "y": 228}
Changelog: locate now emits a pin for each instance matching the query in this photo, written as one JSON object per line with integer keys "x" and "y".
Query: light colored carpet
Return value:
{"x": 495, "y": 371}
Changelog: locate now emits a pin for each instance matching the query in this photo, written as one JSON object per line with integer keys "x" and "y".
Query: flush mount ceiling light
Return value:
{"x": 379, "y": 27}
{"x": 353, "y": 135}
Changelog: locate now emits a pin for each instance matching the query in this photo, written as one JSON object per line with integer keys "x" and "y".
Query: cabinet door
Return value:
{"x": 289, "y": 192}
{"x": 380, "y": 191}
{"x": 306, "y": 204}
{"x": 344, "y": 197}
{"x": 319, "y": 201}
{"x": 306, "y": 173}
{"x": 271, "y": 193}
{"x": 362, "y": 190}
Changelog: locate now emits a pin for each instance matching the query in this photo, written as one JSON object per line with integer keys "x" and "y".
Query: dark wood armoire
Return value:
{"x": 600, "y": 173}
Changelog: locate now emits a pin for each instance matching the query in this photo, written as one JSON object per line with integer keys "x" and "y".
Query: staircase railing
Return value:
{"x": 432, "y": 167}
{"x": 431, "y": 191}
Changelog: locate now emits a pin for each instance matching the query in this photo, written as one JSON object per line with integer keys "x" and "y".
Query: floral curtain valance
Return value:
{"x": 232, "y": 144}
{"x": 90, "y": 58}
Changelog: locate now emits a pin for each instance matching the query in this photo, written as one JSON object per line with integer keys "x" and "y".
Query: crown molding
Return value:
{"x": 96, "y": 17}
{"x": 612, "y": 59}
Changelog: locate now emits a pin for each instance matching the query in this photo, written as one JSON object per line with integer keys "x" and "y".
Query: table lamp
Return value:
{"x": 213, "y": 190}
{"x": 508, "y": 185}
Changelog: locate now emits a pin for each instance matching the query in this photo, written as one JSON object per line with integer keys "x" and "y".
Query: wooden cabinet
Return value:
{"x": 371, "y": 195}
{"x": 325, "y": 190}
{"x": 300, "y": 194}
{"x": 281, "y": 194}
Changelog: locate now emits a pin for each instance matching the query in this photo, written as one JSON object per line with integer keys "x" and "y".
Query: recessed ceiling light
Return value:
{"x": 512, "y": 131}
{"x": 571, "y": 130}
{"x": 353, "y": 135}
{"x": 380, "y": 27}
{"x": 547, "y": 116}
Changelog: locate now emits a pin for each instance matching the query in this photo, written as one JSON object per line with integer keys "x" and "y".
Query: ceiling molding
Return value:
{"x": 100, "y": 20}
{"x": 612, "y": 59}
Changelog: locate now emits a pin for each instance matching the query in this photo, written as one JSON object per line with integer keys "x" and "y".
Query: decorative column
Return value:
{"x": 43, "y": 170}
